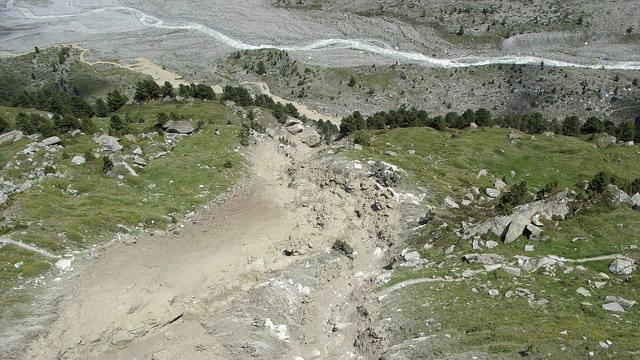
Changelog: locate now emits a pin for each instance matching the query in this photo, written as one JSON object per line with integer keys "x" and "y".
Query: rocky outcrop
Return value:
{"x": 108, "y": 143}
{"x": 11, "y": 136}
{"x": 184, "y": 127}
{"x": 510, "y": 227}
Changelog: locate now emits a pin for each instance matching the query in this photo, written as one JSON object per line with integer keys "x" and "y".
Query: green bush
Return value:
{"x": 362, "y": 138}
{"x": 342, "y": 247}
{"x": 517, "y": 194}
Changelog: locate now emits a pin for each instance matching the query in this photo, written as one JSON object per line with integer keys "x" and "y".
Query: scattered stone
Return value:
{"x": 64, "y": 264}
{"x": 78, "y": 160}
{"x": 450, "y": 203}
{"x": 499, "y": 184}
{"x": 482, "y": 173}
{"x": 411, "y": 152}
{"x": 11, "y": 136}
{"x": 390, "y": 153}
{"x": 295, "y": 129}
{"x": 178, "y": 127}
{"x": 626, "y": 304}
{"x": 529, "y": 248}
{"x": 139, "y": 161}
{"x": 411, "y": 256}
{"x": 491, "y": 244}
{"x": 484, "y": 259}
{"x": 516, "y": 228}
{"x": 137, "y": 151}
{"x": 108, "y": 143}
{"x": 613, "y": 307}
{"x": 54, "y": 140}
{"x": 599, "y": 284}
{"x": 123, "y": 229}
{"x": 622, "y": 266}
{"x": 603, "y": 140}
{"x": 493, "y": 292}
{"x": 584, "y": 292}
{"x": 450, "y": 249}
{"x": 513, "y": 271}
{"x": 533, "y": 231}
{"x": 492, "y": 193}
{"x": 635, "y": 200}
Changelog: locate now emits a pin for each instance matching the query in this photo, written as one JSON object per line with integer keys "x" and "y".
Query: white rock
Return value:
{"x": 78, "y": 160}
{"x": 622, "y": 266}
{"x": 493, "y": 292}
{"x": 482, "y": 173}
{"x": 584, "y": 292}
{"x": 450, "y": 203}
{"x": 626, "y": 304}
{"x": 529, "y": 248}
{"x": 51, "y": 141}
{"x": 491, "y": 244}
{"x": 450, "y": 249}
{"x": 64, "y": 264}
{"x": 499, "y": 184}
{"x": 492, "y": 193}
{"x": 411, "y": 256}
{"x": 635, "y": 200}
{"x": 613, "y": 307}
{"x": 513, "y": 271}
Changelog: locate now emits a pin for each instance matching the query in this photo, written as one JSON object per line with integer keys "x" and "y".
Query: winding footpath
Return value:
{"x": 369, "y": 46}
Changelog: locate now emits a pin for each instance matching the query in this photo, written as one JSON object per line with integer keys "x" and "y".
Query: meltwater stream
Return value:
{"x": 331, "y": 44}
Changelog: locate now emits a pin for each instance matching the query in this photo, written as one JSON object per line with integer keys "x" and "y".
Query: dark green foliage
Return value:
{"x": 352, "y": 123}
{"x": 115, "y": 100}
{"x": 483, "y": 117}
{"x": 593, "y": 125}
{"x": 626, "y": 131}
{"x": 600, "y": 181}
{"x": 66, "y": 123}
{"x": 162, "y": 118}
{"x": 362, "y": 138}
{"x": 167, "y": 90}
{"x": 610, "y": 128}
{"x": 327, "y": 130}
{"x": 199, "y": 91}
{"x": 55, "y": 102}
{"x": 244, "y": 134}
{"x": 4, "y": 125}
{"x": 239, "y": 95}
{"x": 549, "y": 189}
{"x": 460, "y": 31}
{"x": 342, "y": 247}
{"x": 571, "y": 126}
{"x": 101, "y": 108}
{"x": 352, "y": 81}
{"x": 88, "y": 126}
{"x": 35, "y": 124}
{"x": 107, "y": 164}
{"x": 517, "y": 194}
{"x": 261, "y": 69}
{"x": 147, "y": 90}
{"x": 228, "y": 164}
{"x": 264, "y": 101}
{"x": 116, "y": 126}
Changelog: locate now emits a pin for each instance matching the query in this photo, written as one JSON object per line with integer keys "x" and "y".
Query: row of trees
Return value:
{"x": 60, "y": 103}
{"x": 534, "y": 123}
{"x": 38, "y": 124}
{"x": 150, "y": 90}
{"x": 241, "y": 97}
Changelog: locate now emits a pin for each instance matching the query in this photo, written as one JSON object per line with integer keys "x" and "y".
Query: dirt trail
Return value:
{"x": 35, "y": 249}
{"x": 221, "y": 288}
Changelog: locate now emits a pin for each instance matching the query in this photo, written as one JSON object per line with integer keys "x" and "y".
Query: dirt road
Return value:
{"x": 222, "y": 287}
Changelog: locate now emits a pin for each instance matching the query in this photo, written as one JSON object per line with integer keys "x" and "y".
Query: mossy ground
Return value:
{"x": 446, "y": 163}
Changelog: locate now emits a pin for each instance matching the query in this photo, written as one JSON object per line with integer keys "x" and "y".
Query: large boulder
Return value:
{"x": 635, "y": 200}
{"x": 603, "y": 140}
{"x": 78, "y": 160}
{"x": 450, "y": 203}
{"x": 11, "y": 136}
{"x": 616, "y": 197}
{"x": 311, "y": 138}
{"x": 516, "y": 228}
{"x": 622, "y": 266}
{"x": 295, "y": 128}
{"x": 179, "y": 127}
{"x": 108, "y": 143}
{"x": 545, "y": 209}
{"x": 53, "y": 140}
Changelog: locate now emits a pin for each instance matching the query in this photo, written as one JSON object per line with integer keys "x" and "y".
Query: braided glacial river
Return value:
{"x": 369, "y": 46}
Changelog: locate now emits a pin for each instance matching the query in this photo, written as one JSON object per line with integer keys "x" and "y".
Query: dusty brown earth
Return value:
{"x": 223, "y": 287}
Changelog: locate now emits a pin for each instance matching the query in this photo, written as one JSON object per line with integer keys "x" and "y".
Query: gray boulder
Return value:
{"x": 54, "y": 140}
{"x": 499, "y": 184}
{"x": 635, "y": 200}
{"x": 533, "y": 231}
{"x": 626, "y": 304}
{"x": 108, "y": 143}
{"x": 295, "y": 129}
{"x": 450, "y": 203}
{"x": 613, "y": 307}
{"x": 78, "y": 160}
{"x": 11, "y": 136}
{"x": 516, "y": 228}
{"x": 311, "y": 138}
{"x": 603, "y": 140}
{"x": 622, "y": 266}
{"x": 411, "y": 256}
{"x": 179, "y": 127}
{"x": 492, "y": 193}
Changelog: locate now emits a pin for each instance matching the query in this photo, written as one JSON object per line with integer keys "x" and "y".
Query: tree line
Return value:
{"x": 534, "y": 123}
